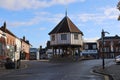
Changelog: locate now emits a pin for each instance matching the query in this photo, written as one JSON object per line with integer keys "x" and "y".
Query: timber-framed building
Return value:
{"x": 66, "y": 39}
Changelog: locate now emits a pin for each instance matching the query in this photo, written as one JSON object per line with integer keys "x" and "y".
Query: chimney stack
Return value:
{"x": 23, "y": 38}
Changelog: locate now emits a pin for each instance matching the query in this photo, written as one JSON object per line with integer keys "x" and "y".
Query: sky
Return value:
{"x": 34, "y": 19}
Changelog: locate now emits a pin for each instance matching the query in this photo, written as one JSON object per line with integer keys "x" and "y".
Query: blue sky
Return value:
{"x": 36, "y": 18}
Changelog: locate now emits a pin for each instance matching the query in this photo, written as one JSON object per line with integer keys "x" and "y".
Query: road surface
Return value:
{"x": 37, "y": 70}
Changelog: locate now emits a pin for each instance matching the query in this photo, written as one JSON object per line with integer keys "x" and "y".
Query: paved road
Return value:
{"x": 38, "y": 70}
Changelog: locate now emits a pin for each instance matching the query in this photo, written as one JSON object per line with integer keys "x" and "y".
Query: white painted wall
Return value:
{"x": 70, "y": 39}
{"x": 63, "y": 41}
{"x": 76, "y": 42}
{"x": 18, "y": 49}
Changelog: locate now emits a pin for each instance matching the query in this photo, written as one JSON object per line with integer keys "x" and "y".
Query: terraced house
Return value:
{"x": 10, "y": 41}
{"x": 10, "y": 44}
{"x": 25, "y": 49}
{"x": 111, "y": 46}
{"x": 2, "y": 45}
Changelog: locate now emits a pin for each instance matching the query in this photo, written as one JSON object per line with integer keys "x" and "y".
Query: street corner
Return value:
{"x": 100, "y": 71}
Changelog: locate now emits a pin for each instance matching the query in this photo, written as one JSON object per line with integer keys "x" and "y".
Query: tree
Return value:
{"x": 118, "y": 7}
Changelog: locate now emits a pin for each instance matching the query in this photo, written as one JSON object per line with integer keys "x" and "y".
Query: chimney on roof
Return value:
{"x": 23, "y": 38}
{"x": 4, "y": 26}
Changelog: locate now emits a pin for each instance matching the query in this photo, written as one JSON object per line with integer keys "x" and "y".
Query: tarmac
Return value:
{"x": 112, "y": 70}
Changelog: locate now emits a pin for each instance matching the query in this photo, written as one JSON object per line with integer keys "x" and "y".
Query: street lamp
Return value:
{"x": 103, "y": 35}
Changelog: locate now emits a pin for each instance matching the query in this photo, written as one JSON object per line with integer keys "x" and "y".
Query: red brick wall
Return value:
{"x": 10, "y": 39}
{"x": 25, "y": 48}
{"x": 107, "y": 44}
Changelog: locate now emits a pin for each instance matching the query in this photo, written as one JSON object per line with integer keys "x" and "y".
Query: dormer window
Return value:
{"x": 76, "y": 36}
{"x": 63, "y": 36}
{"x": 53, "y": 38}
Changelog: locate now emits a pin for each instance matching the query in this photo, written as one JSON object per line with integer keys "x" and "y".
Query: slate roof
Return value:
{"x": 111, "y": 37}
{"x": 66, "y": 25}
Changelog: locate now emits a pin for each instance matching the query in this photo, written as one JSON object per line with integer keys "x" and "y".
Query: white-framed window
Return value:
{"x": 63, "y": 36}
{"x": 94, "y": 46}
{"x": 86, "y": 46}
{"x": 76, "y": 36}
{"x": 106, "y": 49}
{"x": 104, "y": 42}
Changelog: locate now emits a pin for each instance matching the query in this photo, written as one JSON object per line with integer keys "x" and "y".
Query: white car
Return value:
{"x": 117, "y": 59}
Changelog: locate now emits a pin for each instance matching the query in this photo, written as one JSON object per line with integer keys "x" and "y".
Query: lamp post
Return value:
{"x": 103, "y": 35}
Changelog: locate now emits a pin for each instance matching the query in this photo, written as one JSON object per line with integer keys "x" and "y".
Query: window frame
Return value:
{"x": 76, "y": 36}
{"x": 53, "y": 37}
{"x": 63, "y": 36}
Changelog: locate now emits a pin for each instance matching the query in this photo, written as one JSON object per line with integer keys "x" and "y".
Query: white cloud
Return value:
{"x": 111, "y": 13}
{"x": 105, "y": 14}
{"x": 32, "y": 4}
{"x": 33, "y": 21}
{"x": 100, "y": 17}
{"x": 37, "y": 19}
{"x": 42, "y": 28}
{"x": 91, "y": 39}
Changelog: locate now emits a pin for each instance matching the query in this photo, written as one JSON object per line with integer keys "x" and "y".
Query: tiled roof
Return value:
{"x": 65, "y": 25}
{"x": 4, "y": 29}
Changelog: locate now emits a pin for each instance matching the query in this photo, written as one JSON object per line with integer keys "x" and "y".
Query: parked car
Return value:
{"x": 9, "y": 64}
{"x": 117, "y": 59}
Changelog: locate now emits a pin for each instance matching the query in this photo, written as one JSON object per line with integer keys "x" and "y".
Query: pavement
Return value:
{"x": 112, "y": 70}
{"x": 4, "y": 71}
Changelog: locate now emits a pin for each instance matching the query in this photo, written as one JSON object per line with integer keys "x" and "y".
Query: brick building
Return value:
{"x": 111, "y": 46}
{"x": 11, "y": 45}
{"x": 25, "y": 49}
{"x": 2, "y": 45}
{"x": 10, "y": 41}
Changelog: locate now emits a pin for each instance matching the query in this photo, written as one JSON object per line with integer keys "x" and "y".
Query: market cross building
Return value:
{"x": 66, "y": 39}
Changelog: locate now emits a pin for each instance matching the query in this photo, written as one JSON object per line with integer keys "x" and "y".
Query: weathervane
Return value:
{"x": 66, "y": 12}
{"x": 66, "y": 9}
